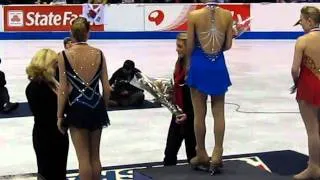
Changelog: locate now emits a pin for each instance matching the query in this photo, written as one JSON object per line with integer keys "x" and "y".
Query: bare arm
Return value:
{"x": 229, "y": 33}
{"x": 190, "y": 40}
{"x": 63, "y": 87}
{"x": 105, "y": 81}
{"x": 297, "y": 59}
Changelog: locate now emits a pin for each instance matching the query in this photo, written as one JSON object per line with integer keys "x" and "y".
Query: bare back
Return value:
{"x": 85, "y": 61}
{"x": 80, "y": 69}
{"x": 211, "y": 27}
{"x": 312, "y": 46}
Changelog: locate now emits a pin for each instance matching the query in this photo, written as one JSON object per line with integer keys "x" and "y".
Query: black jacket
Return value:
{"x": 121, "y": 81}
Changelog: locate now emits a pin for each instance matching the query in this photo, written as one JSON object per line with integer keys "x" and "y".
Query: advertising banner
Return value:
{"x": 174, "y": 17}
{"x": 42, "y": 18}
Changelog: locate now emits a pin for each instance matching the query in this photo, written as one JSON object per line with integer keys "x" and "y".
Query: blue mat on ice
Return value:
{"x": 284, "y": 163}
{"x": 23, "y": 110}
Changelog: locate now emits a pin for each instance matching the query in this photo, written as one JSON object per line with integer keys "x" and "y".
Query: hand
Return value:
{"x": 293, "y": 89}
{"x": 55, "y": 86}
{"x": 61, "y": 128}
{"x": 181, "y": 118}
{"x": 186, "y": 77}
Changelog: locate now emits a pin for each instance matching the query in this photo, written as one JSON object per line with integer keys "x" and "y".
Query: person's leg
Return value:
{"x": 95, "y": 138}
{"x": 136, "y": 99}
{"x": 4, "y": 97}
{"x": 199, "y": 101}
{"x": 113, "y": 99}
{"x": 81, "y": 139}
{"x": 310, "y": 119}
{"x": 60, "y": 156}
{"x": 190, "y": 139}
{"x": 40, "y": 155}
{"x": 42, "y": 147}
{"x": 5, "y": 105}
{"x": 217, "y": 107}
{"x": 173, "y": 144}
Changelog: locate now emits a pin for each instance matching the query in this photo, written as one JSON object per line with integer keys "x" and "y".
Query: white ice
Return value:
{"x": 260, "y": 73}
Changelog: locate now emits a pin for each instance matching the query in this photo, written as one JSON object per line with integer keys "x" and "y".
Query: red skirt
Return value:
{"x": 308, "y": 87}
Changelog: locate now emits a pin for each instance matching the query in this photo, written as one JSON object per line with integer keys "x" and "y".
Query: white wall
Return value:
{"x": 268, "y": 17}
{"x": 275, "y": 17}
{"x": 124, "y": 17}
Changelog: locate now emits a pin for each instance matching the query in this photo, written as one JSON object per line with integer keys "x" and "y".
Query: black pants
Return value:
{"x": 4, "y": 97}
{"x": 177, "y": 133}
{"x": 133, "y": 99}
{"x": 51, "y": 148}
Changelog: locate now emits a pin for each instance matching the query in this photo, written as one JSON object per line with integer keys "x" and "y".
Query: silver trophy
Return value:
{"x": 162, "y": 90}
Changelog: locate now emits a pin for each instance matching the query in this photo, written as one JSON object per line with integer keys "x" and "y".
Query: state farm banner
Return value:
{"x": 43, "y": 18}
{"x": 174, "y": 17}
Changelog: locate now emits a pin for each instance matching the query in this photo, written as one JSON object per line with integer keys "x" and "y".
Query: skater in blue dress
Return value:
{"x": 209, "y": 35}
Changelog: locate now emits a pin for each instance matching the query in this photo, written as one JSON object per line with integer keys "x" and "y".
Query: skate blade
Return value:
{"x": 214, "y": 170}
{"x": 204, "y": 168}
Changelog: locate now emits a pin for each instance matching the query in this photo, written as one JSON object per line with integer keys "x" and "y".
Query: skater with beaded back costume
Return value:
{"x": 210, "y": 33}
{"x": 81, "y": 67}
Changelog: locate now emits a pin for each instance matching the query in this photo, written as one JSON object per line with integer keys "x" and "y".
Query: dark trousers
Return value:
{"x": 177, "y": 133}
{"x": 4, "y": 97}
{"x": 51, "y": 148}
{"x": 133, "y": 99}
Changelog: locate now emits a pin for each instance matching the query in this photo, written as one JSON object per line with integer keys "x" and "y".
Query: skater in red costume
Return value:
{"x": 306, "y": 75}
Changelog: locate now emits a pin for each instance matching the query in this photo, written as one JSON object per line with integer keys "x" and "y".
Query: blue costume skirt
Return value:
{"x": 208, "y": 73}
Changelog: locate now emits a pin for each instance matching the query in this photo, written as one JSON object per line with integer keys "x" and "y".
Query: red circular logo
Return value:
{"x": 156, "y": 16}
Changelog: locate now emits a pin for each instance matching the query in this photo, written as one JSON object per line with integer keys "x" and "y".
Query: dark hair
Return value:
{"x": 128, "y": 65}
{"x": 312, "y": 13}
{"x": 79, "y": 29}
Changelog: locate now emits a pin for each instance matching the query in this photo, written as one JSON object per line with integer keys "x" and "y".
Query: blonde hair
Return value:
{"x": 79, "y": 29}
{"x": 41, "y": 66}
{"x": 312, "y": 13}
{"x": 182, "y": 36}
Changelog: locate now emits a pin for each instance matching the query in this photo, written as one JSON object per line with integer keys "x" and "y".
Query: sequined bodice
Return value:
{"x": 85, "y": 93}
{"x": 310, "y": 64}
